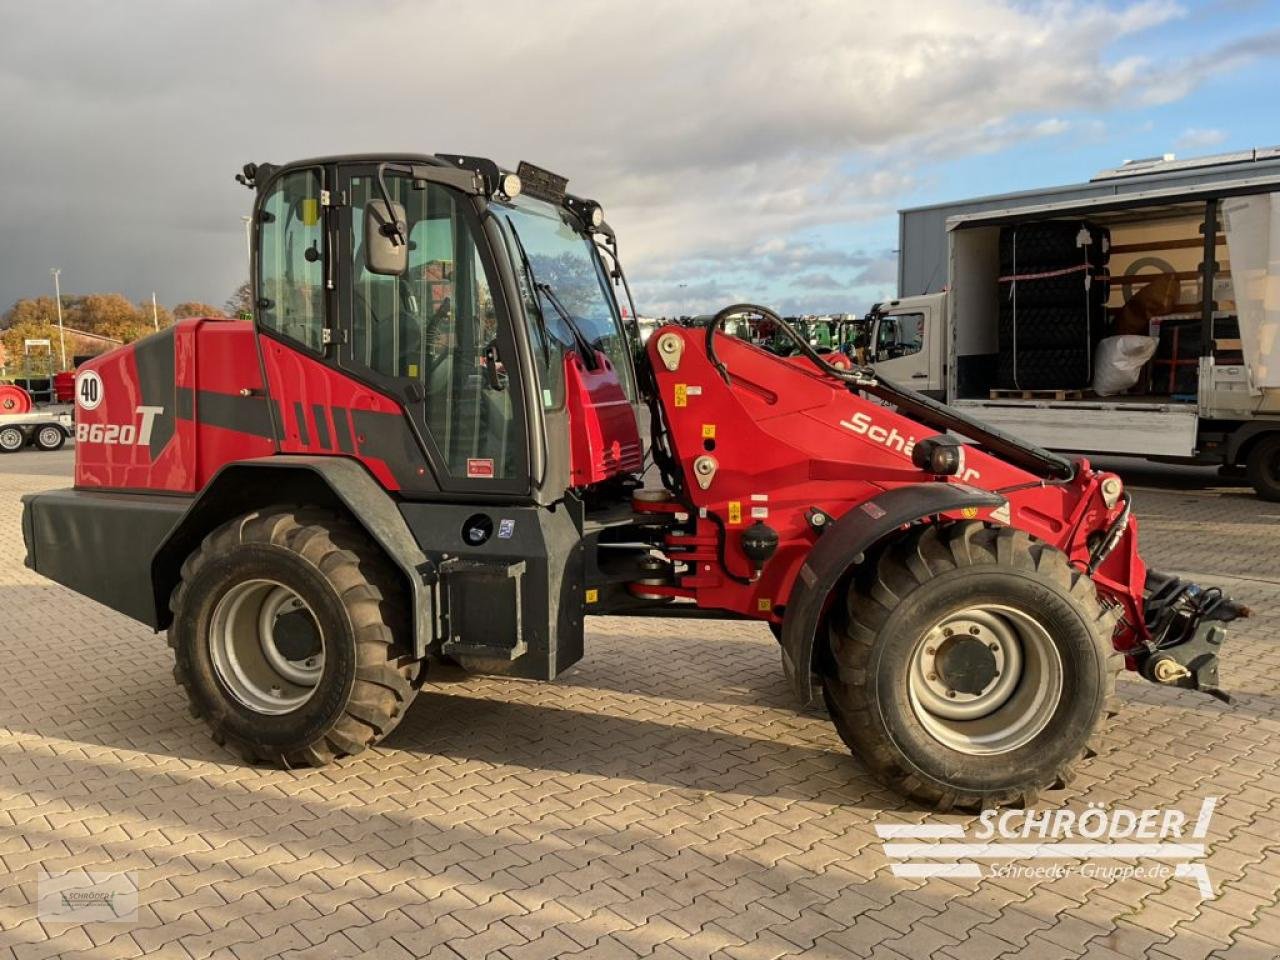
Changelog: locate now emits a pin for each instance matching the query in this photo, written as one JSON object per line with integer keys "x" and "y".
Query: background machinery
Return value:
{"x": 428, "y": 444}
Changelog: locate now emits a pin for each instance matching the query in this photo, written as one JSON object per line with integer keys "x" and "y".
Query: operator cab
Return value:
{"x": 476, "y": 299}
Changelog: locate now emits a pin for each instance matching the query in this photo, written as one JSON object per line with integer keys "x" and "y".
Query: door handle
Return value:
{"x": 919, "y": 376}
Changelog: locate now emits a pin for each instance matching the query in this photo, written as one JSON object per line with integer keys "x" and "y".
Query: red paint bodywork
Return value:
{"x": 786, "y": 437}
{"x": 221, "y": 357}
{"x": 603, "y": 439}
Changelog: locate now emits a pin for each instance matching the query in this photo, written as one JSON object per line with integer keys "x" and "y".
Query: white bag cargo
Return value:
{"x": 1118, "y": 362}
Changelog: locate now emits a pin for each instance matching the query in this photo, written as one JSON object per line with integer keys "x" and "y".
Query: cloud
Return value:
{"x": 720, "y": 137}
{"x": 1199, "y": 138}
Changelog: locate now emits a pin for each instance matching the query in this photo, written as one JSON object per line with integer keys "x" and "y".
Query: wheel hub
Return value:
{"x": 985, "y": 679}
{"x": 266, "y": 646}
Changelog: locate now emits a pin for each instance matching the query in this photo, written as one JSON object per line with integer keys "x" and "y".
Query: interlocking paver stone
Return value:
{"x": 662, "y": 799}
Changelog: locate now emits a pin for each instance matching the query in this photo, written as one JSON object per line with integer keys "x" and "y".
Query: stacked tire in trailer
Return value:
{"x": 1053, "y": 301}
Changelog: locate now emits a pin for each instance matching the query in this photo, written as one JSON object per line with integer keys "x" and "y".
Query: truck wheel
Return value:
{"x": 972, "y": 667}
{"x": 50, "y": 438}
{"x": 291, "y": 638}
{"x": 12, "y": 439}
{"x": 1264, "y": 467}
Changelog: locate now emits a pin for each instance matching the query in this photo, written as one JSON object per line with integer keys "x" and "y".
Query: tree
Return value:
{"x": 194, "y": 308}
{"x": 240, "y": 303}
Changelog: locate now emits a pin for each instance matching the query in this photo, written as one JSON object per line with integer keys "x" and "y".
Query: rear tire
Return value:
{"x": 1018, "y": 719}
{"x": 12, "y": 439}
{"x": 291, "y": 638}
{"x": 50, "y": 438}
{"x": 1264, "y": 467}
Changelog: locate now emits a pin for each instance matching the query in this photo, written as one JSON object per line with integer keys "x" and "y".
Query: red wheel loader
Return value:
{"x": 428, "y": 444}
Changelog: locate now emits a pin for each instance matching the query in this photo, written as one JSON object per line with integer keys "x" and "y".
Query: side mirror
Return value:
{"x": 386, "y": 250}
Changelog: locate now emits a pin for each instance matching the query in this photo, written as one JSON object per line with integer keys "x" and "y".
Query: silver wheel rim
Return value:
{"x": 11, "y": 438}
{"x": 1005, "y": 704}
{"x": 245, "y": 650}
{"x": 49, "y": 436}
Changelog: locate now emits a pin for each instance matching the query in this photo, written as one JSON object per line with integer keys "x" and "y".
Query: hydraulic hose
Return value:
{"x": 928, "y": 411}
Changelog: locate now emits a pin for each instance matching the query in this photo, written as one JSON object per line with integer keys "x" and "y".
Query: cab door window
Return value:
{"x": 437, "y": 324}
{"x": 899, "y": 335}
{"x": 291, "y": 259}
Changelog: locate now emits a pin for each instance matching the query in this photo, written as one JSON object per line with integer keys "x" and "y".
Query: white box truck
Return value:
{"x": 1213, "y": 398}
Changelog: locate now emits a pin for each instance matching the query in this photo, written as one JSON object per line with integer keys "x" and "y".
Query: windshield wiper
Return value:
{"x": 533, "y": 286}
{"x": 585, "y": 349}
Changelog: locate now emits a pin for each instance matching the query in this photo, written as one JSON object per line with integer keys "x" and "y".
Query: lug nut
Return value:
{"x": 930, "y": 651}
{"x": 993, "y": 646}
{"x": 974, "y": 631}
{"x": 947, "y": 631}
{"x": 951, "y": 694}
{"x": 933, "y": 676}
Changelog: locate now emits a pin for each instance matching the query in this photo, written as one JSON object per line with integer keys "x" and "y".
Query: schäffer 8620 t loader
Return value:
{"x": 427, "y": 443}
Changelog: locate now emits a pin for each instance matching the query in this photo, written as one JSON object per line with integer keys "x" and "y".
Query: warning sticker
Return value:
{"x": 764, "y": 604}
{"x": 593, "y": 595}
{"x": 874, "y": 511}
{"x": 480, "y": 467}
{"x": 735, "y": 511}
{"x": 682, "y": 395}
{"x": 694, "y": 390}
{"x": 708, "y": 431}
{"x": 759, "y": 513}
{"x": 1001, "y": 513}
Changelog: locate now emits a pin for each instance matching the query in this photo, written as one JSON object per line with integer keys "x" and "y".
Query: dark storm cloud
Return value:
{"x": 720, "y": 126}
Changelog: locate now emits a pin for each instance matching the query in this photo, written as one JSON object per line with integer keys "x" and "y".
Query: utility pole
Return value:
{"x": 155, "y": 312}
{"x": 57, "y": 296}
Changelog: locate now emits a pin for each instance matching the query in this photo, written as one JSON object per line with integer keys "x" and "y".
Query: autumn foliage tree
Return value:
{"x": 194, "y": 308}
{"x": 104, "y": 314}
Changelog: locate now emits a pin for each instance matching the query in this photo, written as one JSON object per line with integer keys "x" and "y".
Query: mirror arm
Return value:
{"x": 394, "y": 228}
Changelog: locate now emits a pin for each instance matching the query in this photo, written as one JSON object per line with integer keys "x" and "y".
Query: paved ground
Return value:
{"x": 662, "y": 799}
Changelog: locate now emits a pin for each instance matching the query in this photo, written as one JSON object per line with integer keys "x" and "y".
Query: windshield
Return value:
{"x": 567, "y": 274}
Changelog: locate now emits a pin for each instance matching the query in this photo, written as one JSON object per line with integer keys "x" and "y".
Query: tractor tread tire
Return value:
{"x": 386, "y": 678}
{"x": 916, "y": 560}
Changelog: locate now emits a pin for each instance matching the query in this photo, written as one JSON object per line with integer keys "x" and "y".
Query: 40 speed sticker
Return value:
{"x": 88, "y": 390}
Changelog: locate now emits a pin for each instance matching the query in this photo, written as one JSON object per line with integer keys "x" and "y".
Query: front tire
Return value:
{"x": 290, "y": 637}
{"x": 1264, "y": 467}
{"x": 973, "y": 667}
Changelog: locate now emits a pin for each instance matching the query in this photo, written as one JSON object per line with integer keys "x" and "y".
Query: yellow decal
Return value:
{"x": 969, "y": 512}
{"x": 735, "y": 511}
{"x": 593, "y": 595}
{"x": 764, "y": 604}
{"x": 682, "y": 395}
{"x": 708, "y": 431}
{"x": 413, "y": 370}
{"x": 309, "y": 211}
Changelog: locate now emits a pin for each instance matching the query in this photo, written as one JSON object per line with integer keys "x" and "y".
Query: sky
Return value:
{"x": 742, "y": 151}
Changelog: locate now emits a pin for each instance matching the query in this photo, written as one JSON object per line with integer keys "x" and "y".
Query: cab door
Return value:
{"x": 439, "y": 336}
{"x": 905, "y": 347}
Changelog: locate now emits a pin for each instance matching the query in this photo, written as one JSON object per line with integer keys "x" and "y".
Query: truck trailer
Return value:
{"x": 1192, "y": 269}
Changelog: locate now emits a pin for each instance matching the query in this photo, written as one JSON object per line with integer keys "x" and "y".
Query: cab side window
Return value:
{"x": 291, "y": 259}
{"x": 899, "y": 335}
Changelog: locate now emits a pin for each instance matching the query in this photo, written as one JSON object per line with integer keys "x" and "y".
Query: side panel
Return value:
{"x": 1132, "y": 429}
{"x": 533, "y": 631}
{"x": 324, "y": 411}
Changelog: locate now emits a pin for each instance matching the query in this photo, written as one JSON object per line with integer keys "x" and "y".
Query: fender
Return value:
{"x": 843, "y": 546}
{"x": 336, "y": 481}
